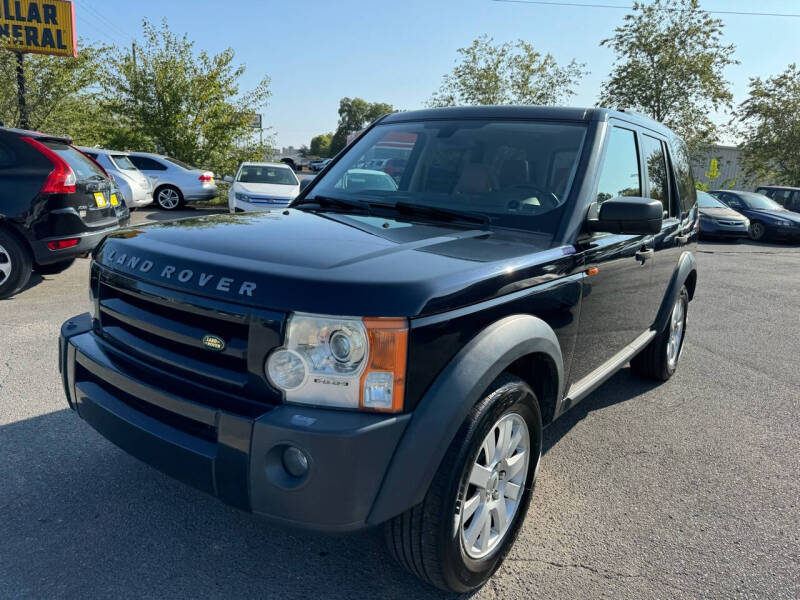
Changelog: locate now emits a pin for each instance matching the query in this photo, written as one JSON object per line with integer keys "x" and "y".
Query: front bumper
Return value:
{"x": 237, "y": 459}
{"x": 242, "y": 206}
{"x": 711, "y": 229}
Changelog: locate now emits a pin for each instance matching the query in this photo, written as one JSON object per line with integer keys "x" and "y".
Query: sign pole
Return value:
{"x": 23, "y": 107}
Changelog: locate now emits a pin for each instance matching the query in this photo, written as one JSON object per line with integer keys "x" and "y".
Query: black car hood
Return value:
{"x": 786, "y": 215}
{"x": 333, "y": 263}
{"x": 720, "y": 212}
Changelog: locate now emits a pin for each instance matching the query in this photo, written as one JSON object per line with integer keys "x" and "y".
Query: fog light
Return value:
{"x": 378, "y": 390}
{"x": 295, "y": 461}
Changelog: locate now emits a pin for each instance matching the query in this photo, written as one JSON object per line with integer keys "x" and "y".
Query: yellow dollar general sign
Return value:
{"x": 41, "y": 26}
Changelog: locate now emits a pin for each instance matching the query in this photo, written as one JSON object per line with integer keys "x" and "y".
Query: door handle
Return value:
{"x": 682, "y": 239}
{"x": 643, "y": 254}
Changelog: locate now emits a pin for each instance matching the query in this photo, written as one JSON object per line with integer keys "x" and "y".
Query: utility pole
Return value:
{"x": 23, "y": 107}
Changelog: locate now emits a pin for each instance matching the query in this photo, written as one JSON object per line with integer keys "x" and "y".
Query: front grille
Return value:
{"x": 147, "y": 325}
{"x": 266, "y": 200}
{"x": 731, "y": 223}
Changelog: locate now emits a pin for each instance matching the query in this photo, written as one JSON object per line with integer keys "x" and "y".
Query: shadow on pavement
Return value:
{"x": 82, "y": 518}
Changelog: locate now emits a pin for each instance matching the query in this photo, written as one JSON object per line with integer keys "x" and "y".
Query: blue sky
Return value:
{"x": 316, "y": 51}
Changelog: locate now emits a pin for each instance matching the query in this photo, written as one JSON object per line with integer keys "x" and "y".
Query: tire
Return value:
{"x": 53, "y": 268}
{"x": 168, "y": 197}
{"x": 15, "y": 264}
{"x": 659, "y": 359}
{"x": 757, "y": 231}
{"x": 431, "y": 539}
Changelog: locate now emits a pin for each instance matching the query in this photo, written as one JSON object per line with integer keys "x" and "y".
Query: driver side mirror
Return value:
{"x": 304, "y": 182}
{"x": 227, "y": 179}
{"x": 626, "y": 215}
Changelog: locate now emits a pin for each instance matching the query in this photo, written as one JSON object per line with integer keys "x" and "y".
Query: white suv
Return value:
{"x": 174, "y": 182}
{"x": 133, "y": 185}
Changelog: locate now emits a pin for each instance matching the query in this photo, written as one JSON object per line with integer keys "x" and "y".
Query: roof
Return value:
{"x": 549, "y": 113}
{"x": 265, "y": 164}
{"x": 779, "y": 187}
{"x": 101, "y": 150}
{"x": 38, "y": 134}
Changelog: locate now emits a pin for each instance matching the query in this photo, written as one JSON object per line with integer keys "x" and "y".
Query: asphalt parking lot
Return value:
{"x": 683, "y": 490}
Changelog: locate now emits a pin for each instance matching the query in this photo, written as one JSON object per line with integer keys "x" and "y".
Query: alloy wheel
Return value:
{"x": 168, "y": 198}
{"x": 5, "y": 265}
{"x": 495, "y": 487}
{"x": 677, "y": 324}
{"x": 756, "y": 231}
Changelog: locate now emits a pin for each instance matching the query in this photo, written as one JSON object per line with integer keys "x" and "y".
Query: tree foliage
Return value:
{"x": 321, "y": 145}
{"x": 172, "y": 99}
{"x": 60, "y": 92}
{"x": 507, "y": 73}
{"x": 669, "y": 65}
{"x": 768, "y": 122}
{"x": 355, "y": 114}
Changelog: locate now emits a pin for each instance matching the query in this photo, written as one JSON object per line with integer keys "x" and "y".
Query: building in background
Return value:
{"x": 729, "y": 171}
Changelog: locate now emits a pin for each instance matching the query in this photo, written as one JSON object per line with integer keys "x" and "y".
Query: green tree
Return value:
{"x": 60, "y": 92}
{"x": 489, "y": 73}
{"x": 170, "y": 98}
{"x": 768, "y": 122}
{"x": 355, "y": 114}
{"x": 669, "y": 65}
{"x": 321, "y": 145}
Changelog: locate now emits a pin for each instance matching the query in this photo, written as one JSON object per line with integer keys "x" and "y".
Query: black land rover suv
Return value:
{"x": 388, "y": 349}
{"x": 56, "y": 203}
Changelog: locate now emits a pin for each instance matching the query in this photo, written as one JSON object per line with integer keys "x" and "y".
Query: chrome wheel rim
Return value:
{"x": 168, "y": 199}
{"x": 677, "y": 324}
{"x": 5, "y": 265}
{"x": 495, "y": 487}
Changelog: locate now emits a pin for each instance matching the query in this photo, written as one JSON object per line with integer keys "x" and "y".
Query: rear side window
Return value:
{"x": 687, "y": 193}
{"x": 180, "y": 163}
{"x": 83, "y": 166}
{"x": 657, "y": 174}
{"x": 123, "y": 162}
{"x": 147, "y": 164}
{"x": 6, "y": 157}
{"x": 620, "y": 174}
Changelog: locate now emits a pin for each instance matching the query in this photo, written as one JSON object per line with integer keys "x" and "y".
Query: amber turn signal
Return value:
{"x": 383, "y": 383}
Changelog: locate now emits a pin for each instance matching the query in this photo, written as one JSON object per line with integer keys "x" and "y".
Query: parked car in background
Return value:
{"x": 768, "y": 219}
{"x": 366, "y": 179}
{"x": 787, "y": 197}
{"x": 319, "y": 164}
{"x": 262, "y": 185}
{"x": 135, "y": 188}
{"x": 719, "y": 221}
{"x": 55, "y": 204}
{"x": 174, "y": 182}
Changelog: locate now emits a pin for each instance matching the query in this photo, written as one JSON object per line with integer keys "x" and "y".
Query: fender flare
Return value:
{"x": 443, "y": 408}
{"x": 687, "y": 264}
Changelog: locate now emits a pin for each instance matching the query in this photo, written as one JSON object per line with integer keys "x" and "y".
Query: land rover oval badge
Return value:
{"x": 212, "y": 342}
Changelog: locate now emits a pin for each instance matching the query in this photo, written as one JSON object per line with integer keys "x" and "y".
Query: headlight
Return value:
{"x": 343, "y": 362}
{"x": 707, "y": 218}
{"x": 782, "y": 223}
{"x": 242, "y": 197}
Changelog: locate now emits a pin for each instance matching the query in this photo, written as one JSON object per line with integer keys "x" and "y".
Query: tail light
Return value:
{"x": 206, "y": 178}
{"x": 61, "y": 179}
{"x": 63, "y": 244}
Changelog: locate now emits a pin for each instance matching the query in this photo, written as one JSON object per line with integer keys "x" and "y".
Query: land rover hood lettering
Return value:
{"x": 170, "y": 272}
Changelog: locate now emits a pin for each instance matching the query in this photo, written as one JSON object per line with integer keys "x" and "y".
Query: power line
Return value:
{"x": 665, "y": 8}
{"x": 105, "y": 22}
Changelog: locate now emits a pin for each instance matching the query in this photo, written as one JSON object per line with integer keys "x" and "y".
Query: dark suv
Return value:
{"x": 787, "y": 197}
{"x": 55, "y": 204}
{"x": 390, "y": 354}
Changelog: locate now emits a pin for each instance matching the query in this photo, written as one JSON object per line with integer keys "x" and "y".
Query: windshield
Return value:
{"x": 708, "y": 201}
{"x": 123, "y": 162}
{"x": 516, "y": 173}
{"x": 758, "y": 201}
{"x": 83, "y": 166}
{"x": 180, "y": 163}
{"x": 266, "y": 174}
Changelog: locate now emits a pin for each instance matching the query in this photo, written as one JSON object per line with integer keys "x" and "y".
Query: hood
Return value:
{"x": 786, "y": 215}
{"x": 721, "y": 213}
{"x": 338, "y": 264}
{"x": 267, "y": 189}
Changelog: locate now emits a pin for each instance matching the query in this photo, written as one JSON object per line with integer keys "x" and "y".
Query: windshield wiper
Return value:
{"x": 328, "y": 201}
{"x": 442, "y": 213}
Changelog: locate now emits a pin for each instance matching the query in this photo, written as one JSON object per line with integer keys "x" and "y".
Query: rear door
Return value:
{"x": 152, "y": 169}
{"x": 618, "y": 302}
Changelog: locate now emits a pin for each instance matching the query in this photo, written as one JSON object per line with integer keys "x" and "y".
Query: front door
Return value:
{"x": 618, "y": 302}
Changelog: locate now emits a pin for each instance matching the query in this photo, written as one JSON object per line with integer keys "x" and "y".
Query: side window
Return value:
{"x": 619, "y": 175}
{"x": 6, "y": 157}
{"x": 687, "y": 193}
{"x": 794, "y": 202}
{"x": 733, "y": 201}
{"x": 147, "y": 164}
{"x": 657, "y": 178}
{"x": 766, "y": 192}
